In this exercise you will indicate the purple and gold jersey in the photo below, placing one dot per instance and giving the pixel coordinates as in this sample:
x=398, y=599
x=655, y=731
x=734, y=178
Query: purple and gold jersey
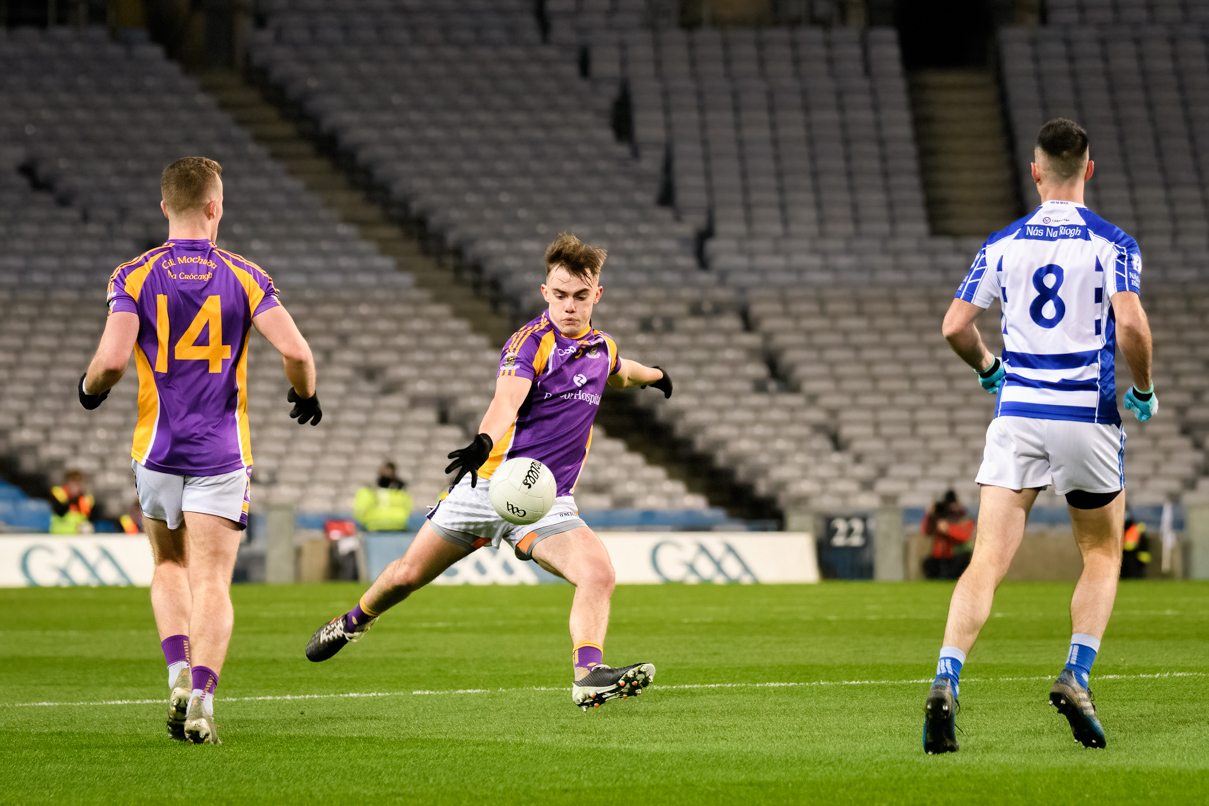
x=195, y=304
x=554, y=425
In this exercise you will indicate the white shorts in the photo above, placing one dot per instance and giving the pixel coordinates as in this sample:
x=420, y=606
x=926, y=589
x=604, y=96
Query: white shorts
x=467, y=518
x=166, y=497
x=1023, y=452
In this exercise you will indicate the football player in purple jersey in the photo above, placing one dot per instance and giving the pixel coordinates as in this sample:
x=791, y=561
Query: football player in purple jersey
x=551, y=376
x=185, y=310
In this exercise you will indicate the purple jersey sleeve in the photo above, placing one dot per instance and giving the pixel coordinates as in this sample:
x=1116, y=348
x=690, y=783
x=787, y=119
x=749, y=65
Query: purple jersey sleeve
x=263, y=280
x=117, y=297
x=616, y=354
x=270, y=291
x=520, y=355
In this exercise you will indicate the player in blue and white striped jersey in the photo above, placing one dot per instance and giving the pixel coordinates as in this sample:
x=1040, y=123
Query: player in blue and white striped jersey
x=1068, y=284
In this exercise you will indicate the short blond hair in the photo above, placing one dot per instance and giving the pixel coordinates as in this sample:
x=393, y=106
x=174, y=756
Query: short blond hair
x=579, y=259
x=186, y=183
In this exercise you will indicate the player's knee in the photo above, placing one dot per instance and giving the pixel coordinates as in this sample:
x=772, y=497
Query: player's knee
x=599, y=577
x=403, y=575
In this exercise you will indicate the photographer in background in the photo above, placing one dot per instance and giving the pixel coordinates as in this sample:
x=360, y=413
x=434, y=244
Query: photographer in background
x=952, y=532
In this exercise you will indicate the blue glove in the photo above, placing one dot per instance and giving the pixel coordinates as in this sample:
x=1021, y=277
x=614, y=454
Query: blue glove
x=1144, y=405
x=991, y=378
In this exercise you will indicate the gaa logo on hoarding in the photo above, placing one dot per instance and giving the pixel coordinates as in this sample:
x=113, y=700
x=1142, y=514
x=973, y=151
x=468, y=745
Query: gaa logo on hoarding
x=488, y=568
x=693, y=562
x=45, y=566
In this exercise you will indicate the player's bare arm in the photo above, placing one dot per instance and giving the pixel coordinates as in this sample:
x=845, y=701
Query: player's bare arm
x=630, y=374
x=1133, y=334
x=278, y=327
x=961, y=332
x=510, y=395
x=113, y=354
x=109, y=363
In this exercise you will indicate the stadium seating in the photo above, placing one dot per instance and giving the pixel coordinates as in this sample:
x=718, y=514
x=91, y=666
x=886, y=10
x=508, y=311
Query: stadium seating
x=86, y=124
x=1142, y=93
x=762, y=210
x=1127, y=12
x=790, y=153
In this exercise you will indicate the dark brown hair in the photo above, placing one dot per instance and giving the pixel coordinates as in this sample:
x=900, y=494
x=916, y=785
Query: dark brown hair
x=579, y=259
x=1064, y=143
x=186, y=183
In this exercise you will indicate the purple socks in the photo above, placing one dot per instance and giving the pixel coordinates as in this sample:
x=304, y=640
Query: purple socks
x=204, y=679
x=176, y=653
x=176, y=649
x=358, y=618
x=585, y=657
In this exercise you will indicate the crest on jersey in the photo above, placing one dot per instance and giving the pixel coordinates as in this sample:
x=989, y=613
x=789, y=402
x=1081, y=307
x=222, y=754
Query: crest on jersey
x=509, y=360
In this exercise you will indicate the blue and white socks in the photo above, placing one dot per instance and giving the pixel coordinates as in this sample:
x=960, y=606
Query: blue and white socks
x=949, y=666
x=1083, y=649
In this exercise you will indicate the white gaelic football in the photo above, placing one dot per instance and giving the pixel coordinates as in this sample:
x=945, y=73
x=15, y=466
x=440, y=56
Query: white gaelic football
x=522, y=491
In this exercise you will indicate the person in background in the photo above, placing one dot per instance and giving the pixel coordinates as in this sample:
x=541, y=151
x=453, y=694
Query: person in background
x=386, y=507
x=1136, y=554
x=950, y=527
x=132, y=521
x=72, y=510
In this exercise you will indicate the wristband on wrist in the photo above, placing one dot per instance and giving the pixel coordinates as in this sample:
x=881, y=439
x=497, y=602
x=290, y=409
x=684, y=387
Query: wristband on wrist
x=989, y=371
x=1146, y=395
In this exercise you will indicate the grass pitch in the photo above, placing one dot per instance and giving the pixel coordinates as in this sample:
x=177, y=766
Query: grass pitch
x=763, y=694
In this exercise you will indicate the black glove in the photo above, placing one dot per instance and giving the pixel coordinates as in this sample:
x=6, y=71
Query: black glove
x=470, y=459
x=88, y=401
x=664, y=384
x=306, y=409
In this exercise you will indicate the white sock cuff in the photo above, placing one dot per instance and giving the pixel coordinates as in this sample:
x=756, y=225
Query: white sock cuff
x=953, y=652
x=1083, y=639
x=175, y=669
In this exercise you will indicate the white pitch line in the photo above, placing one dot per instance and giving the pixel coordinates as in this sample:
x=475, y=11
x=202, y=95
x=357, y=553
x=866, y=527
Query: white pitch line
x=681, y=687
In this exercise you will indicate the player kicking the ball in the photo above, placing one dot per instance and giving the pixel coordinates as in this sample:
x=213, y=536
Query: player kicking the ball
x=1068, y=282
x=552, y=373
x=184, y=309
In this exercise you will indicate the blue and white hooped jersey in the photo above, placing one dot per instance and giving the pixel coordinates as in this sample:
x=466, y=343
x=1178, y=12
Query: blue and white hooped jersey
x=1054, y=272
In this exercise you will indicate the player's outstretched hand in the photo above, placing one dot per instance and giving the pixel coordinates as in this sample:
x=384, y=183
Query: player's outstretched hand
x=664, y=384
x=470, y=459
x=1144, y=405
x=991, y=378
x=88, y=401
x=306, y=409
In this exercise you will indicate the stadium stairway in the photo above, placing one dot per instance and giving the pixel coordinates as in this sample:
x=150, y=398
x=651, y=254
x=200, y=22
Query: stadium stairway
x=964, y=156
x=281, y=135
